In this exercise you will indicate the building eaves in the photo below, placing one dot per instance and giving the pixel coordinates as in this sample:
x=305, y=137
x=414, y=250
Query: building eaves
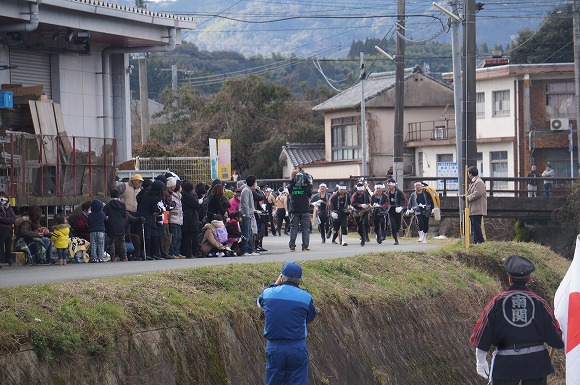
x=300, y=154
x=97, y=7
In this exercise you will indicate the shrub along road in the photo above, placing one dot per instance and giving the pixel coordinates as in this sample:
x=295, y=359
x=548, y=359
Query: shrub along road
x=278, y=251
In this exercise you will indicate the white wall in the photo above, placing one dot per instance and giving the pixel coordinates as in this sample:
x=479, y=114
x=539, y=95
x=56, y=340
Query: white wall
x=81, y=94
x=498, y=126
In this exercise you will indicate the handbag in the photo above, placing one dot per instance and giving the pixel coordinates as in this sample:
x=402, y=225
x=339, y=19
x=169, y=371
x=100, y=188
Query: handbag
x=130, y=247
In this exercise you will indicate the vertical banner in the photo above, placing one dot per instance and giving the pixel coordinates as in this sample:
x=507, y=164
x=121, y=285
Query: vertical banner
x=225, y=158
x=213, y=158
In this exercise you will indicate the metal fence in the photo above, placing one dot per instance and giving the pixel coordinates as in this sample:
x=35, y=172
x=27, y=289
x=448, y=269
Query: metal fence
x=196, y=169
x=54, y=170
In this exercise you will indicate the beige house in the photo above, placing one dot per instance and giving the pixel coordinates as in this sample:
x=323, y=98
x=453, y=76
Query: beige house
x=428, y=104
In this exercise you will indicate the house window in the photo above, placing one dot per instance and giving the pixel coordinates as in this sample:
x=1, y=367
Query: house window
x=560, y=100
x=345, y=133
x=501, y=103
x=499, y=168
x=480, y=104
x=444, y=158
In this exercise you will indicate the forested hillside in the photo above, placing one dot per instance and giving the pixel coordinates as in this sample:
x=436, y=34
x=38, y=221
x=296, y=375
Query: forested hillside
x=205, y=71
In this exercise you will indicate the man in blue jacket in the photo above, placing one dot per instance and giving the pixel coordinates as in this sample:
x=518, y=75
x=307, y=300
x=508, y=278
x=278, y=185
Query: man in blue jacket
x=287, y=309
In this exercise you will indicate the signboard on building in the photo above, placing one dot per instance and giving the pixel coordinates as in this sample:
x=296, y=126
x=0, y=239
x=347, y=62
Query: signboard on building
x=447, y=170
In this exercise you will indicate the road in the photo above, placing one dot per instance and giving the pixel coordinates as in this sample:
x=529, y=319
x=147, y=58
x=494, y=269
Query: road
x=278, y=251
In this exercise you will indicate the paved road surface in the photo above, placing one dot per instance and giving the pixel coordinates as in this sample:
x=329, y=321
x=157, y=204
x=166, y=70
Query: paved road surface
x=278, y=251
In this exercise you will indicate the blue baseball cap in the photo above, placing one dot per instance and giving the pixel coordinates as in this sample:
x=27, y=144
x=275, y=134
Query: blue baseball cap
x=292, y=270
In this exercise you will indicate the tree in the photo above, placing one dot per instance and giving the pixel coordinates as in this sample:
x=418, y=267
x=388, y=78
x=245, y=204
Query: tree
x=552, y=43
x=256, y=114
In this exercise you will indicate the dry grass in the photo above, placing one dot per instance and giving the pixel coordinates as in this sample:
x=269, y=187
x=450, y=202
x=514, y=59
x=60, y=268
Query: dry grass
x=89, y=317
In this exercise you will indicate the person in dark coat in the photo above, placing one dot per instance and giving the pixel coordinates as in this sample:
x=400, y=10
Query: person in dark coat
x=396, y=200
x=300, y=189
x=80, y=225
x=218, y=203
x=148, y=207
x=190, y=228
x=132, y=222
x=7, y=219
x=519, y=323
x=96, y=221
x=116, y=213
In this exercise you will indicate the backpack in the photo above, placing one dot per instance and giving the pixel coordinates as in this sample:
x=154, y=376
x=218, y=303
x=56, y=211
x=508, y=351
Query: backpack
x=221, y=234
x=300, y=180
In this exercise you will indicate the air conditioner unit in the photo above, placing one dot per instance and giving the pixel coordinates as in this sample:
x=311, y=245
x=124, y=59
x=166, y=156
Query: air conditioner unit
x=559, y=124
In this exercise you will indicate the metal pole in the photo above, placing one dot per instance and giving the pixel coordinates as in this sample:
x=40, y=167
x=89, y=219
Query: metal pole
x=469, y=70
x=144, y=100
x=399, y=96
x=457, y=101
x=363, y=116
x=576, y=24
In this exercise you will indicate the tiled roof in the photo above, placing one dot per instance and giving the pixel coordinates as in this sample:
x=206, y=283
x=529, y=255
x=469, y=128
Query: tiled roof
x=375, y=84
x=303, y=153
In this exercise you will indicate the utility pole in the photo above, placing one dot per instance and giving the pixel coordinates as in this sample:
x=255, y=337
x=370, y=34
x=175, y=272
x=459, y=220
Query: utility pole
x=399, y=96
x=469, y=157
x=457, y=102
x=174, y=77
x=144, y=99
x=576, y=24
x=363, y=75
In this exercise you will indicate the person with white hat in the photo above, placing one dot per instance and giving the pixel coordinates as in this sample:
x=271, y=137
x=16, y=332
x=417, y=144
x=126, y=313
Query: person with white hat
x=339, y=211
x=380, y=203
x=321, y=201
x=361, y=203
x=421, y=204
x=396, y=200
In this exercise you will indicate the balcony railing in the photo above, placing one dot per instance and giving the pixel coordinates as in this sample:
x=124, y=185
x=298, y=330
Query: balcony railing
x=431, y=131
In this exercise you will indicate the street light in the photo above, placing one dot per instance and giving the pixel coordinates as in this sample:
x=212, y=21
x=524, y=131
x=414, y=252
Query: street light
x=384, y=53
x=445, y=11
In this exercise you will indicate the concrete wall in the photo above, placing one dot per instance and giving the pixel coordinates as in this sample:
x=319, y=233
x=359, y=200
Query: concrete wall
x=4, y=60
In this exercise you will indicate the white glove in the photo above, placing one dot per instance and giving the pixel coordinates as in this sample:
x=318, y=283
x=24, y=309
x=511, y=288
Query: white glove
x=350, y=208
x=364, y=206
x=376, y=205
x=200, y=200
x=257, y=212
x=408, y=212
x=316, y=204
x=398, y=210
x=481, y=364
x=422, y=205
x=264, y=206
x=334, y=215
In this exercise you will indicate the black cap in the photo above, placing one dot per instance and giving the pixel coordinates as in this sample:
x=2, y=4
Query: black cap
x=518, y=267
x=263, y=184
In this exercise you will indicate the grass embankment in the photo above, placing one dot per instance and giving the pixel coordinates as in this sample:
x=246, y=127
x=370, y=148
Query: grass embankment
x=89, y=317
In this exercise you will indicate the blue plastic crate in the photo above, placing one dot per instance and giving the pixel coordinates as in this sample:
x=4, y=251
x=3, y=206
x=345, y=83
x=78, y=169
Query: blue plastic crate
x=6, y=99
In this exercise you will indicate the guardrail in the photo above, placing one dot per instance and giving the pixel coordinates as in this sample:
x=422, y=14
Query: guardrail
x=447, y=186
